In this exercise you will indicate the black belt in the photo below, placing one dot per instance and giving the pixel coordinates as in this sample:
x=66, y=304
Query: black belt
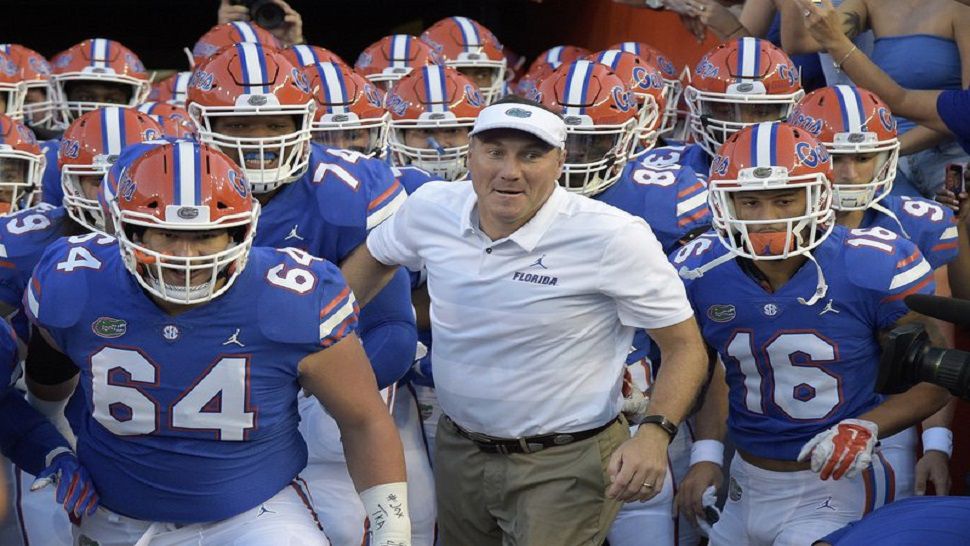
x=527, y=444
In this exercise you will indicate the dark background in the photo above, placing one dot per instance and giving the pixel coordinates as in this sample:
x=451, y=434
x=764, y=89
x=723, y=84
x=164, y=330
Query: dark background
x=158, y=30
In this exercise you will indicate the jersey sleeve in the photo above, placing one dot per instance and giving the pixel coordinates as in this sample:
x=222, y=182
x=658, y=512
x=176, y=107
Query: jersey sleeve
x=51, y=191
x=952, y=106
x=634, y=272
x=890, y=268
x=339, y=313
x=933, y=228
x=55, y=293
x=384, y=194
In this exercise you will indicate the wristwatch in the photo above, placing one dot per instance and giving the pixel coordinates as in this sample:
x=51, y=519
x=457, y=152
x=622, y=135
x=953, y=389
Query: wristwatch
x=666, y=424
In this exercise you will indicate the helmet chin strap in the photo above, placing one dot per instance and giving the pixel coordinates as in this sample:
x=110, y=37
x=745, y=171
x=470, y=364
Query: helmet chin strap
x=879, y=208
x=821, y=288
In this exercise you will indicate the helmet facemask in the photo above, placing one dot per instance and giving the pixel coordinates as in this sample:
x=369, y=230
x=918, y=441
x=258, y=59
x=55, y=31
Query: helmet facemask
x=746, y=239
x=448, y=162
x=20, y=178
x=349, y=132
x=279, y=159
x=595, y=155
x=714, y=117
x=861, y=196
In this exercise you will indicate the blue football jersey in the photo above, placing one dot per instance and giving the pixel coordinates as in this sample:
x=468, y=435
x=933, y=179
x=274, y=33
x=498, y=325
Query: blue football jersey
x=695, y=157
x=795, y=370
x=328, y=213
x=672, y=199
x=932, y=227
x=411, y=178
x=23, y=238
x=191, y=417
x=51, y=191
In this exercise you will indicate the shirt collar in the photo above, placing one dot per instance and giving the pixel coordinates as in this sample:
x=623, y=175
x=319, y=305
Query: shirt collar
x=527, y=236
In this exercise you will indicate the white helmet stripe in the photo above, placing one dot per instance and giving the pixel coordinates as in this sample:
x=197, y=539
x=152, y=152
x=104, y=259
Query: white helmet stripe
x=630, y=47
x=609, y=57
x=304, y=54
x=246, y=32
x=399, y=50
x=576, y=86
x=99, y=53
x=553, y=56
x=335, y=90
x=851, y=109
x=435, y=81
x=469, y=33
x=763, y=144
x=749, y=58
x=182, y=83
x=251, y=64
x=185, y=153
x=113, y=138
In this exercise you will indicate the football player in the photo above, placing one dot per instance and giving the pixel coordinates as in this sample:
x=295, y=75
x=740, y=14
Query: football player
x=191, y=415
x=432, y=111
x=251, y=103
x=467, y=46
x=859, y=131
x=90, y=144
x=795, y=306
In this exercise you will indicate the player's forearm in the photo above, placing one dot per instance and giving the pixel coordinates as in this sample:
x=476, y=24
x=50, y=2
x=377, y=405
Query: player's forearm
x=373, y=451
x=901, y=411
x=710, y=423
x=942, y=418
x=681, y=376
x=26, y=436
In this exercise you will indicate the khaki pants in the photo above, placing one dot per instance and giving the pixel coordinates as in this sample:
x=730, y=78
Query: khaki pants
x=555, y=497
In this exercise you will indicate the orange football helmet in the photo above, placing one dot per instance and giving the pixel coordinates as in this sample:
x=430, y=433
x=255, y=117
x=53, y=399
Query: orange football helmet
x=737, y=84
x=546, y=63
x=671, y=78
x=647, y=85
x=12, y=89
x=22, y=165
x=350, y=110
x=89, y=147
x=227, y=34
x=96, y=61
x=35, y=74
x=850, y=120
x=601, y=118
x=473, y=50
x=181, y=185
x=250, y=81
x=429, y=99
x=174, y=120
x=771, y=156
x=306, y=55
x=393, y=57
x=172, y=89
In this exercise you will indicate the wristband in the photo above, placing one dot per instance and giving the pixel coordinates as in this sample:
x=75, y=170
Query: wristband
x=53, y=455
x=938, y=439
x=387, y=508
x=711, y=451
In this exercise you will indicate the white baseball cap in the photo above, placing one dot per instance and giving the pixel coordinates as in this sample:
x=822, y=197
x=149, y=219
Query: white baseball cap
x=534, y=120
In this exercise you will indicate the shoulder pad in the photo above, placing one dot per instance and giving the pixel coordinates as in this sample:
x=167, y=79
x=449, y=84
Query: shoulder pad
x=298, y=288
x=59, y=289
x=874, y=258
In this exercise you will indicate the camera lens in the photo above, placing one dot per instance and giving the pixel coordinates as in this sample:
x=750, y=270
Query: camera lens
x=266, y=13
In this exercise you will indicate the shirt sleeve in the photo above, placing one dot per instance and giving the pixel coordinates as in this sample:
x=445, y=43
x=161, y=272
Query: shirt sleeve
x=635, y=272
x=393, y=242
x=952, y=106
x=912, y=275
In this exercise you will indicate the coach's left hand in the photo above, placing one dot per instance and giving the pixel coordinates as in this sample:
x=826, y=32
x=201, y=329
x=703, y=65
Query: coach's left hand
x=638, y=467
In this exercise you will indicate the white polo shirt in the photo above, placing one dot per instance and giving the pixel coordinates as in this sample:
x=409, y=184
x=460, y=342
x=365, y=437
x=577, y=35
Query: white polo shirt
x=531, y=332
